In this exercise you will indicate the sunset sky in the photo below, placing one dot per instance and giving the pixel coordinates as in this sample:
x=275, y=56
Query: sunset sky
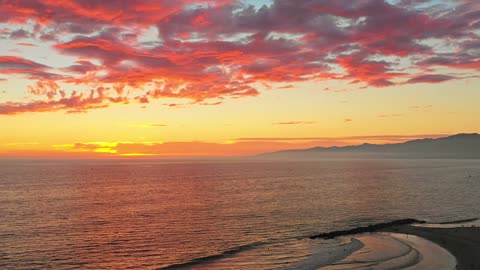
x=87, y=78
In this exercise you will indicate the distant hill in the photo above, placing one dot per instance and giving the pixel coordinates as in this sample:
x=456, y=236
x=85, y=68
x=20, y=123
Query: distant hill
x=456, y=146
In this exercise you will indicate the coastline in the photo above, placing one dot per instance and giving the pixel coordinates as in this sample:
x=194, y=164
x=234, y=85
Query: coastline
x=461, y=242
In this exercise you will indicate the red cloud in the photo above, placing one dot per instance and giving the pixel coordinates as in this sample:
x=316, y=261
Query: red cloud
x=75, y=103
x=205, y=50
x=12, y=63
x=18, y=65
x=45, y=87
x=26, y=44
x=82, y=67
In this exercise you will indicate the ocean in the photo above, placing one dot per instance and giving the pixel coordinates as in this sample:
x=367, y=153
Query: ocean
x=232, y=214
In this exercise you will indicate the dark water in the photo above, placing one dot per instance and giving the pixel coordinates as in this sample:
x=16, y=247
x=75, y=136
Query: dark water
x=213, y=215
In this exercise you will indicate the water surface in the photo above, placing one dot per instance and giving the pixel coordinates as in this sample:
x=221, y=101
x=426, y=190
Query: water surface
x=241, y=214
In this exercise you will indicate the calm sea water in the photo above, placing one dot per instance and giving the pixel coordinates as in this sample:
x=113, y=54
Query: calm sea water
x=122, y=214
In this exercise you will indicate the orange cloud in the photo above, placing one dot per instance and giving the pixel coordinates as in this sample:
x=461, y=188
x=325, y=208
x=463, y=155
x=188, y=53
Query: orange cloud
x=350, y=139
x=181, y=149
x=295, y=123
x=239, y=147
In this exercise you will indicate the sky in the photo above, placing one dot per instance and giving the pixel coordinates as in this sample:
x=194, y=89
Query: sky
x=85, y=78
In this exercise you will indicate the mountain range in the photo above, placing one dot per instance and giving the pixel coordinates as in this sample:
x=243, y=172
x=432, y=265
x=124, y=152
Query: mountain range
x=456, y=146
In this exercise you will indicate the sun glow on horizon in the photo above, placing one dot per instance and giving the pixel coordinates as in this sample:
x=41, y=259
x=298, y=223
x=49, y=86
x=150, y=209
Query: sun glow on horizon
x=221, y=78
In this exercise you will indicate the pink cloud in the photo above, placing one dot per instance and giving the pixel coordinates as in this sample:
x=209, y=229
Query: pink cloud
x=32, y=70
x=16, y=63
x=431, y=78
x=75, y=103
x=222, y=49
x=26, y=44
x=19, y=34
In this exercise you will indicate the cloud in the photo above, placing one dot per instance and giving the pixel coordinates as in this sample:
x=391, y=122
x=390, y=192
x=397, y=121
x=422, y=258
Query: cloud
x=82, y=67
x=206, y=51
x=32, y=70
x=12, y=63
x=26, y=44
x=148, y=125
x=431, y=78
x=75, y=103
x=45, y=87
x=346, y=120
x=288, y=86
x=173, y=149
x=390, y=115
x=295, y=123
x=416, y=107
x=366, y=138
x=238, y=147
x=19, y=34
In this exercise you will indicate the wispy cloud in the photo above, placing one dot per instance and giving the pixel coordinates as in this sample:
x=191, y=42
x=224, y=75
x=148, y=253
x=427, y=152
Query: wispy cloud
x=361, y=138
x=288, y=86
x=431, y=78
x=26, y=44
x=295, y=123
x=147, y=125
x=390, y=115
x=237, y=147
x=173, y=149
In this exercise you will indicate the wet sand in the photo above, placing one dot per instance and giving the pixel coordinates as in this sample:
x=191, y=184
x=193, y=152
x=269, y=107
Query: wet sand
x=463, y=242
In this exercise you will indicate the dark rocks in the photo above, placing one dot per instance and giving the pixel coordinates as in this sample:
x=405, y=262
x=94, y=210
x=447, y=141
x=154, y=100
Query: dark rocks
x=369, y=228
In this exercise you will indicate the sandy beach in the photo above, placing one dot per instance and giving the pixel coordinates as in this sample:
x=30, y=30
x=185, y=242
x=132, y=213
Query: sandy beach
x=462, y=242
x=448, y=245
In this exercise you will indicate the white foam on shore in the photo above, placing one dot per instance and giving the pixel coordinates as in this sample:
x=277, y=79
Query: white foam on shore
x=293, y=254
x=433, y=255
x=395, y=251
x=471, y=223
x=369, y=251
x=326, y=253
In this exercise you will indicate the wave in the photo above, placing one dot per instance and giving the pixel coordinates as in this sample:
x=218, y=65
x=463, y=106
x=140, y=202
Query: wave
x=201, y=260
x=395, y=251
x=425, y=255
x=394, y=254
x=460, y=221
x=330, y=254
x=325, y=255
x=369, y=228
x=471, y=222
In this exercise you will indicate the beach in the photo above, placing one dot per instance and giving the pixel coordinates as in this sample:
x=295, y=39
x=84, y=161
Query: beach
x=461, y=242
x=409, y=243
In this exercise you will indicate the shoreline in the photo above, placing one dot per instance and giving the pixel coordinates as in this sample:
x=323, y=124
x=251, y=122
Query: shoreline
x=461, y=242
x=460, y=238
